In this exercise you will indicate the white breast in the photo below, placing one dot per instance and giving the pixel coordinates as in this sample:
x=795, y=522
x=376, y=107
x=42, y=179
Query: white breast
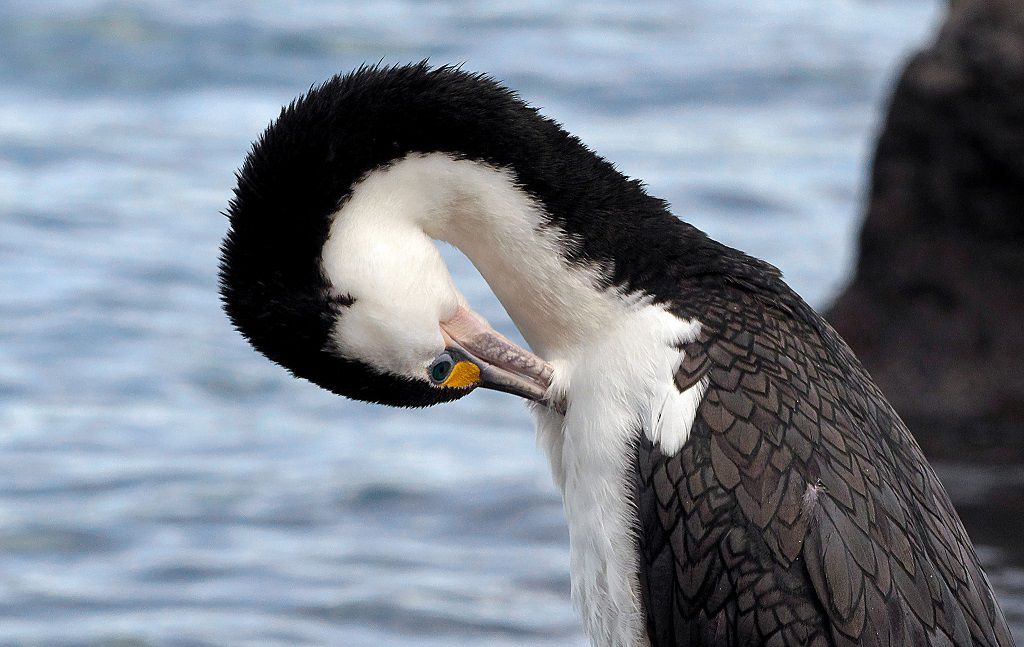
x=615, y=388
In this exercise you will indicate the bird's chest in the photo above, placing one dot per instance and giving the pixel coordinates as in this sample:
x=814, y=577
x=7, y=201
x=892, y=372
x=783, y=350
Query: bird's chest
x=612, y=389
x=590, y=457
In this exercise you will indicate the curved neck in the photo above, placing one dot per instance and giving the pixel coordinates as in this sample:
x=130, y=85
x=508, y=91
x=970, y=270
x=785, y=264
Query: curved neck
x=505, y=233
x=612, y=354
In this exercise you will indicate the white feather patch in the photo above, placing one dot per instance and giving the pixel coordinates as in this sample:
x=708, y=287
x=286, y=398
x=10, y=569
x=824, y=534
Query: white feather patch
x=620, y=381
x=672, y=416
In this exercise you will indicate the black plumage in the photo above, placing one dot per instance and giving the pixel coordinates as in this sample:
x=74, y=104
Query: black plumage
x=800, y=510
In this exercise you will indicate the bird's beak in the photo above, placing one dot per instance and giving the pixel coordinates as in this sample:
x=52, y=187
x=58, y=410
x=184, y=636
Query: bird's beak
x=503, y=365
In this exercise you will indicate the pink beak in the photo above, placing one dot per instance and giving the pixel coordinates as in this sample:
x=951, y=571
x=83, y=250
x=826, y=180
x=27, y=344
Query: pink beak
x=503, y=365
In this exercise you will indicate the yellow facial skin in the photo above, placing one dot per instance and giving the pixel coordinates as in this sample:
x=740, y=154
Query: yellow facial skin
x=464, y=374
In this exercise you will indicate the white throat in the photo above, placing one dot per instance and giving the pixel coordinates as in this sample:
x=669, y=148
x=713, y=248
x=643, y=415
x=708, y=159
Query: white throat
x=614, y=354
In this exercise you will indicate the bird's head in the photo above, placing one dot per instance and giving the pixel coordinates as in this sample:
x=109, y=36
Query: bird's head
x=334, y=277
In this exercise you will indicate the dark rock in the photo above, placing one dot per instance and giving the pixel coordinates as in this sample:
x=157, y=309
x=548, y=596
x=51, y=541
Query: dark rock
x=936, y=307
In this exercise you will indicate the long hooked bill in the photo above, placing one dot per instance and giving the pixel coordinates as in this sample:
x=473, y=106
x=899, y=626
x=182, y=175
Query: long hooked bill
x=503, y=365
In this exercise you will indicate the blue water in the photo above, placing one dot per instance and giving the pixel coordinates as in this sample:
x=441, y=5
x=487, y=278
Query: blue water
x=161, y=484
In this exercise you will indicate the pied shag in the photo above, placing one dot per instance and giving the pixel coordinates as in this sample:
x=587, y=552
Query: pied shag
x=730, y=473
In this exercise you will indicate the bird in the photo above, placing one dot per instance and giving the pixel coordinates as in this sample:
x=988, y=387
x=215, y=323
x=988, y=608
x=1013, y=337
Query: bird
x=730, y=474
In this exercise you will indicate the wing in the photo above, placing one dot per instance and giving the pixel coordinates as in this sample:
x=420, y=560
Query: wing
x=800, y=511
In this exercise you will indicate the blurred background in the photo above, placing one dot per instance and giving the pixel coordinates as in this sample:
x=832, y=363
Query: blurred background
x=161, y=484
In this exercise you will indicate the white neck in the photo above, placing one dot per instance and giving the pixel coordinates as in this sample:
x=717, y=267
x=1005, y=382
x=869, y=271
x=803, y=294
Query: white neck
x=613, y=354
x=479, y=209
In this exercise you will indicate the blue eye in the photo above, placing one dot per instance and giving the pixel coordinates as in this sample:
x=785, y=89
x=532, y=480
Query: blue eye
x=441, y=368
